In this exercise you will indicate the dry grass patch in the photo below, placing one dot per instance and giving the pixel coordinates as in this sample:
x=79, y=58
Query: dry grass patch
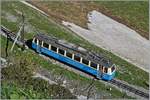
x=132, y=14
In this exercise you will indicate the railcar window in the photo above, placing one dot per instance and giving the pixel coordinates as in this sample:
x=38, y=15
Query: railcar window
x=84, y=61
x=61, y=51
x=40, y=42
x=101, y=67
x=113, y=68
x=105, y=70
x=68, y=54
x=77, y=58
x=35, y=40
x=93, y=65
x=53, y=48
x=45, y=45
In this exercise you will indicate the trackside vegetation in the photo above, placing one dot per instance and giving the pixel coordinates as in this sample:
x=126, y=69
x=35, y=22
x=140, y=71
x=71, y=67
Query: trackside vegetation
x=126, y=71
x=19, y=77
x=126, y=12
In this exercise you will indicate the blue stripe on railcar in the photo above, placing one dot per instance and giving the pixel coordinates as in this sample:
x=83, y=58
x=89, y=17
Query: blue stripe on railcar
x=108, y=77
x=67, y=60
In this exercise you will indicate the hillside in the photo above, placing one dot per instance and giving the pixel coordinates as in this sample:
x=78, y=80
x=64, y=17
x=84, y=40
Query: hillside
x=132, y=14
x=33, y=76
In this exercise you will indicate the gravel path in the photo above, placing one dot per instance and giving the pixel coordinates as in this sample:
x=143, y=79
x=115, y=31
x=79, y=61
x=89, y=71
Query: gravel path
x=28, y=4
x=115, y=37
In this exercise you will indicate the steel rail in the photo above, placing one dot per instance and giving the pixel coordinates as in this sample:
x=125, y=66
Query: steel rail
x=129, y=88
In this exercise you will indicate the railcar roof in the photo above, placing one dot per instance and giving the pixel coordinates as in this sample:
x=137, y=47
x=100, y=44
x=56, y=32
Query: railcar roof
x=94, y=57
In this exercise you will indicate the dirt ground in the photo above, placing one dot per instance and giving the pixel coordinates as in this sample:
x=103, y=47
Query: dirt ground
x=76, y=88
x=115, y=37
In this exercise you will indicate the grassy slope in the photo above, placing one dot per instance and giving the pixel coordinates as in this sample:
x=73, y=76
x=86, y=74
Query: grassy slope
x=13, y=91
x=132, y=13
x=18, y=82
x=27, y=88
x=126, y=71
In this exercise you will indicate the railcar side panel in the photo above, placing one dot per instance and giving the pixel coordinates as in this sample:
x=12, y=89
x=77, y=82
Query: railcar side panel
x=108, y=77
x=67, y=60
x=76, y=64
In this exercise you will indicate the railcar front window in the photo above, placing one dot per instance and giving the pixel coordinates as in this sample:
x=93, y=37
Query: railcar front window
x=105, y=70
x=101, y=68
x=113, y=68
x=40, y=43
x=35, y=40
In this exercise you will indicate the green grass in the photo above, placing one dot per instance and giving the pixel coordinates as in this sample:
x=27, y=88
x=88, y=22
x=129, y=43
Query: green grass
x=27, y=85
x=133, y=13
x=32, y=89
x=18, y=82
x=11, y=90
x=125, y=70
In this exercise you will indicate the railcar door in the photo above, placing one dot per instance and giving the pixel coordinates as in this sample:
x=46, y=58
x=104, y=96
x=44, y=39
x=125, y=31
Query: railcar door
x=39, y=44
x=101, y=70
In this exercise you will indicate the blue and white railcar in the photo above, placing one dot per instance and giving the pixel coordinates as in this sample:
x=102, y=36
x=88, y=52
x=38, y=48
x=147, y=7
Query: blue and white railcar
x=75, y=56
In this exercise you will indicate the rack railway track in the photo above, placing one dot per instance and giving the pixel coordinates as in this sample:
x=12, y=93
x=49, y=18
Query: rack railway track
x=129, y=88
x=6, y=32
